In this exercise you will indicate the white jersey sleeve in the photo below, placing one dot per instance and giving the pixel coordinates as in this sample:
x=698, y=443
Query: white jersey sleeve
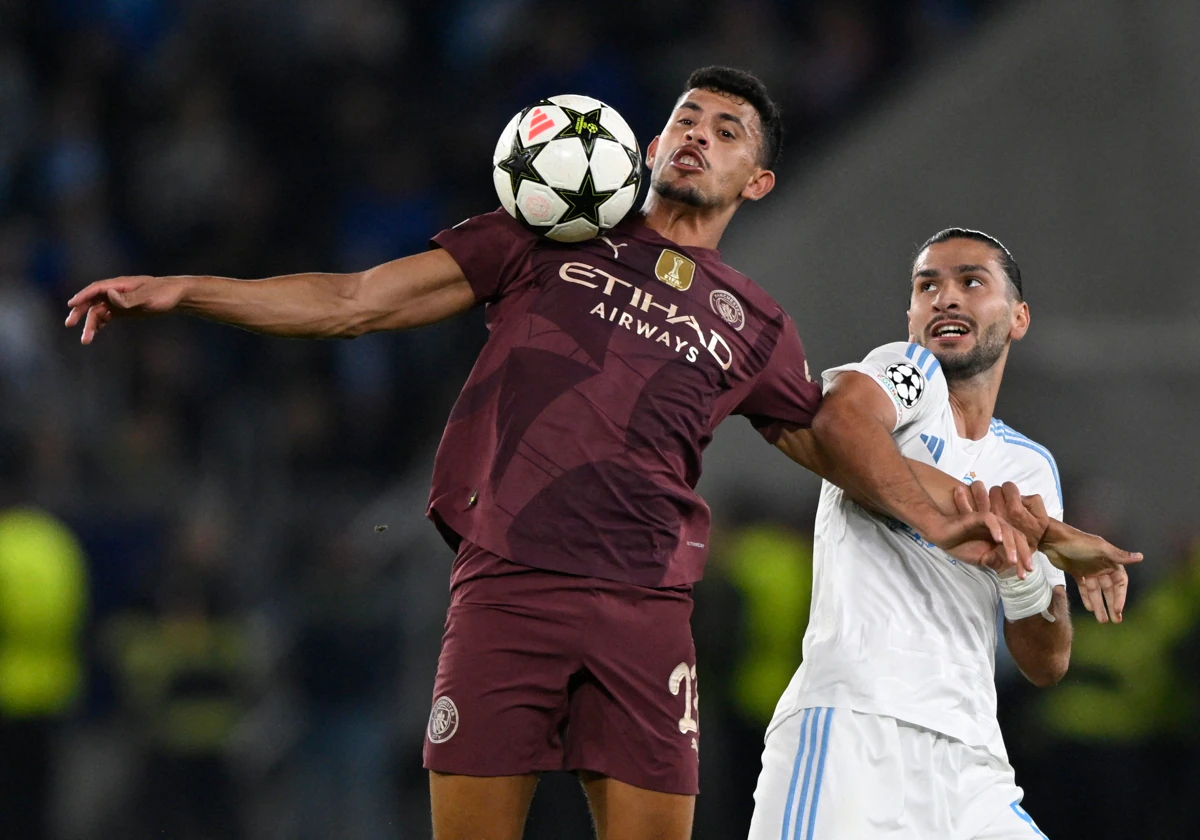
x=908, y=373
x=1042, y=479
x=1055, y=575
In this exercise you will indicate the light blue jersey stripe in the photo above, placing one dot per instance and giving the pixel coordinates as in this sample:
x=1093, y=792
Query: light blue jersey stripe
x=791, y=797
x=1023, y=814
x=812, y=815
x=808, y=771
x=1010, y=435
x=934, y=367
x=924, y=357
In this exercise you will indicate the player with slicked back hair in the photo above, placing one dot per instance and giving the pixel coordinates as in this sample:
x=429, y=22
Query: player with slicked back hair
x=565, y=480
x=888, y=729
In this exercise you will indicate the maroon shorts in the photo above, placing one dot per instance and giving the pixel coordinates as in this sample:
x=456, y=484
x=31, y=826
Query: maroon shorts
x=546, y=671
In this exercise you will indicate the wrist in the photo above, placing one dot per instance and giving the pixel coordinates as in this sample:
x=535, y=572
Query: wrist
x=1028, y=597
x=1055, y=531
x=193, y=293
x=929, y=522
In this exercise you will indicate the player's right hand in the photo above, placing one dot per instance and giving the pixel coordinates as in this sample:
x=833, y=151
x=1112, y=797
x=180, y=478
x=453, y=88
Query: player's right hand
x=97, y=304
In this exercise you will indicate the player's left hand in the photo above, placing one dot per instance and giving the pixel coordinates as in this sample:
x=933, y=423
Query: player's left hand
x=1081, y=554
x=1097, y=566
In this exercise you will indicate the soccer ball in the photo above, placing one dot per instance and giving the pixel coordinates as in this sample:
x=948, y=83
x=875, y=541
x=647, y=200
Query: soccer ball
x=569, y=167
x=909, y=384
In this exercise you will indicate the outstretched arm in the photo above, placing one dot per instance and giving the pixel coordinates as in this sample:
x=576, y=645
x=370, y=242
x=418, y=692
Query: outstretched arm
x=851, y=444
x=801, y=446
x=1097, y=566
x=408, y=292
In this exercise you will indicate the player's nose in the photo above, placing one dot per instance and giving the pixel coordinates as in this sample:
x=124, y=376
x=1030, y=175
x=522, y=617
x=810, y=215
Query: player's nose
x=947, y=299
x=696, y=134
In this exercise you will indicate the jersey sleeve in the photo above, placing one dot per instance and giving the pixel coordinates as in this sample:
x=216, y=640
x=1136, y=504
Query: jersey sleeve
x=783, y=397
x=909, y=374
x=490, y=249
x=1048, y=489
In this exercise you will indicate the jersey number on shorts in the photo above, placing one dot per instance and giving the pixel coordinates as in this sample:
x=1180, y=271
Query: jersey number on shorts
x=686, y=677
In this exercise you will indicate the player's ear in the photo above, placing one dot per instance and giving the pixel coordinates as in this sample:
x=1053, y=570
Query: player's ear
x=761, y=183
x=1020, y=321
x=651, y=151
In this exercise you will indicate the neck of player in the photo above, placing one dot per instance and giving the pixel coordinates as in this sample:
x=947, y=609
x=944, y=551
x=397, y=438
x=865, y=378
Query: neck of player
x=685, y=224
x=974, y=400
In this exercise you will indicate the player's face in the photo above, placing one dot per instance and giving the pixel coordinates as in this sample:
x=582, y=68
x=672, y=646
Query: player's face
x=708, y=154
x=962, y=307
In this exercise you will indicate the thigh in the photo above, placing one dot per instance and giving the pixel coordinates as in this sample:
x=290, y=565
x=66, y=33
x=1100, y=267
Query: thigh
x=829, y=774
x=634, y=712
x=1011, y=823
x=479, y=808
x=626, y=812
x=500, y=695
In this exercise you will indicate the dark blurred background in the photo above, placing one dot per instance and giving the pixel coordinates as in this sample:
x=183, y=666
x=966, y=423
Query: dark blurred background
x=205, y=629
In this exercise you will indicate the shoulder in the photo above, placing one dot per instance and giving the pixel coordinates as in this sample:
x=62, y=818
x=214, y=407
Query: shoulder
x=730, y=278
x=899, y=362
x=1030, y=452
x=498, y=224
x=907, y=353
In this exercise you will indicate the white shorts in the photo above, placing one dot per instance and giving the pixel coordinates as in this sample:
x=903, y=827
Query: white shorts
x=837, y=774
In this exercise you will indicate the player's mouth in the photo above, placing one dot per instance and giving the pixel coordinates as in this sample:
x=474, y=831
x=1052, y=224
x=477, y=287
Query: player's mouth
x=689, y=159
x=948, y=331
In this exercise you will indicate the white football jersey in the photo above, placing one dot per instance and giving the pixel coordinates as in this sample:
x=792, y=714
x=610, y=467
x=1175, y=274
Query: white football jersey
x=898, y=627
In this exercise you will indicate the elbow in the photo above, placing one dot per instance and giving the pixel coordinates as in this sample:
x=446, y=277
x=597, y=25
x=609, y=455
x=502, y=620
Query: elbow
x=1051, y=671
x=828, y=421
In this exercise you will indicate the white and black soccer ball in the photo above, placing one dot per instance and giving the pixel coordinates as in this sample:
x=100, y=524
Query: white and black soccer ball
x=908, y=381
x=569, y=167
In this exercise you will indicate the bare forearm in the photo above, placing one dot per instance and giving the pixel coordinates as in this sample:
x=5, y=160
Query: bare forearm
x=296, y=305
x=870, y=466
x=1041, y=648
x=804, y=448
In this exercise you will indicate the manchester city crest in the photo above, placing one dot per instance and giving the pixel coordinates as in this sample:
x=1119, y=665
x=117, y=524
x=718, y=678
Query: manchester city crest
x=728, y=307
x=443, y=720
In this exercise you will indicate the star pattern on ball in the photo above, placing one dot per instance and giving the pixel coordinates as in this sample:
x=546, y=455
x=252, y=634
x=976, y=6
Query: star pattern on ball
x=585, y=203
x=519, y=165
x=635, y=169
x=586, y=126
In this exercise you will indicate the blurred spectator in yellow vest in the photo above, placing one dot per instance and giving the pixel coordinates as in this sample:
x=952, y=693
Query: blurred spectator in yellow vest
x=43, y=597
x=1127, y=715
x=749, y=622
x=186, y=666
x=771, y=565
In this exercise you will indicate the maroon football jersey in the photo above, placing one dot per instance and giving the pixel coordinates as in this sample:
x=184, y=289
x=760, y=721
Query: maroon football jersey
x=575, y=445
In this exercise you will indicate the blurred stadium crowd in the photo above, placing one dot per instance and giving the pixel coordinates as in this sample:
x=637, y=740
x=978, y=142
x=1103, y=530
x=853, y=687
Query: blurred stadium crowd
x=219, y=605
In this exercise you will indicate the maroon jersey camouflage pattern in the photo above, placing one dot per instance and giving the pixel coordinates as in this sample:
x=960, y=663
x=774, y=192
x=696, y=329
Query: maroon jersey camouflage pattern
x=575, y=445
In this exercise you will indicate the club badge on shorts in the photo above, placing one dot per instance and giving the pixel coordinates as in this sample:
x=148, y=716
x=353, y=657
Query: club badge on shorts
x=443, y=720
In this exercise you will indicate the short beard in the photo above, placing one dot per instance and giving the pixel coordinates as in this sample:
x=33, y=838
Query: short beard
x=683, y=195
x=983, y=356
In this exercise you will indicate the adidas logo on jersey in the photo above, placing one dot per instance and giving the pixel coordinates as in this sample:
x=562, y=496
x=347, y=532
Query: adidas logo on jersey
x=935, y=445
